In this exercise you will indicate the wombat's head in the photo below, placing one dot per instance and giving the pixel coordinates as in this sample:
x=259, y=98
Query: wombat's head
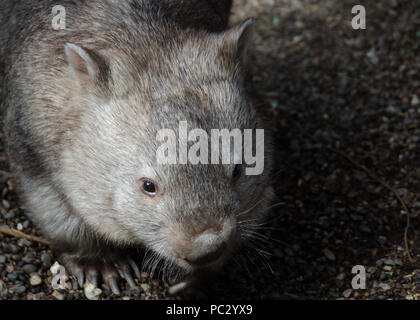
x=134, y=107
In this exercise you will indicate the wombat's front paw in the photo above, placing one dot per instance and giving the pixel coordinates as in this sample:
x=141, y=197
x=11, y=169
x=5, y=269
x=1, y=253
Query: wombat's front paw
x=85, y=269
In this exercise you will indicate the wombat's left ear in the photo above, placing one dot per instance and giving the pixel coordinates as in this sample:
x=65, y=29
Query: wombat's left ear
x=235, y=39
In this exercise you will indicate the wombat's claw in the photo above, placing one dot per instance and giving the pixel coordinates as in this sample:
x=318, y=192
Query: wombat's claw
x=135, y=268
x=88, y=270
x=110, y=276
x=127, y=275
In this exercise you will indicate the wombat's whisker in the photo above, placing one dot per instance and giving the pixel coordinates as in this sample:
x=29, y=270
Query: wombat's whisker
x=251, y=223
x=251, y=252
x=264, y=259
x=154, y=263
x=257, y=235
x=257, y=238
x=247, y=210
x=258, y=245
x=242, y=262
x=274, y=205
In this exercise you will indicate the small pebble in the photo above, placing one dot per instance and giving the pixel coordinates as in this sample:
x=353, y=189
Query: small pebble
x=29, y=268
x=384, y=286
x=145, y=287
x=91, y=292
x=46, y=260
x=6, y=204
x=18, y=289
x=9, y=215
x=347, y=293
x=327, y=252
x=341, y=276
x=35, y=280
x=3, y=289
x=382, y=239
x=389, y=262
x=58, y=295
x=24, y=243
x=12, y=276
x=29, y=257
x=14, y=248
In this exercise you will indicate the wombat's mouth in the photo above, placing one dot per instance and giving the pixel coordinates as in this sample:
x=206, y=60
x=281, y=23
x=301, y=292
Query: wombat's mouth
x=190, y=266
x=212, y=260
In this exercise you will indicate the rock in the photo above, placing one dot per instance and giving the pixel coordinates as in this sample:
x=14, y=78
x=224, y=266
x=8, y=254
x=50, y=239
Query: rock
x=46, y=260
x=29, y=268
x=9, y=215
x=3, y=289
x=382, y=239
x=13, y=248
x=347, y=293
x=29, y=257
x=91, y=292
x=341, y=276
x=389, y=262
x=371, y=54
x=327, y=252
x=35, y=280
x=24, y=243
x=145, y=287
x=2, y=259
x=18, y=289
x=5, y=204
x=384, y=286
x=12, y=276
x=58, y=295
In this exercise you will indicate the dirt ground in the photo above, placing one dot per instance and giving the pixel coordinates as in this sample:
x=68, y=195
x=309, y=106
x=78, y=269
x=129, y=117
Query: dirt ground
x=339, y=99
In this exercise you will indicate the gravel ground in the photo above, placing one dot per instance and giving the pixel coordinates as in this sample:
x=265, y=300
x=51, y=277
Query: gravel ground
x=332, y=92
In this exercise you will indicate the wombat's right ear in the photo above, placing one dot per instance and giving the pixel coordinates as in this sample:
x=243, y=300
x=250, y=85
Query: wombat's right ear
x=85, y=65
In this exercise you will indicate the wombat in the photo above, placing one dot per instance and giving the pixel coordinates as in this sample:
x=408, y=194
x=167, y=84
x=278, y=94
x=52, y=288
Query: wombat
x=83, y=107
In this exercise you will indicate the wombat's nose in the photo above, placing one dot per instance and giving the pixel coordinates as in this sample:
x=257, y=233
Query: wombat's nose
x=206, y=248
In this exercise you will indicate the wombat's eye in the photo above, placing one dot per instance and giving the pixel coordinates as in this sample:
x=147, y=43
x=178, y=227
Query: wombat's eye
x=237, y=172
x=148, y=187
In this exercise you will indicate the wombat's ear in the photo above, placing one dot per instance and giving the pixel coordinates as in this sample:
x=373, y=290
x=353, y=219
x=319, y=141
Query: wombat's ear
x=235, y=39
x=85, y=65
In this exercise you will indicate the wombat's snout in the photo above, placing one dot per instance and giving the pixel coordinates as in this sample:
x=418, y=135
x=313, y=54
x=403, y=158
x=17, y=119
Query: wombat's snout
x=206, y=248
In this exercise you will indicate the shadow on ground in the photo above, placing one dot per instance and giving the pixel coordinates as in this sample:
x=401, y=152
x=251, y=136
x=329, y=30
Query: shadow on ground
x=330, y=88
